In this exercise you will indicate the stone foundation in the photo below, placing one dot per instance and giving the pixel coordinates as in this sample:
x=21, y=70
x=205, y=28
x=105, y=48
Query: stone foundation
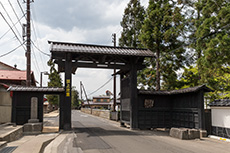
x=32, y=128
x=185, y=133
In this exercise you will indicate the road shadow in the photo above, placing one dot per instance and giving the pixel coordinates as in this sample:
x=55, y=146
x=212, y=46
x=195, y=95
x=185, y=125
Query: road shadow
x=115, y=131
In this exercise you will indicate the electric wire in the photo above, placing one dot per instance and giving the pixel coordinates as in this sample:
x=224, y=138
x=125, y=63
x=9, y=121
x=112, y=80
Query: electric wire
x=12, y=27
x=39, y=49
x=6, y=42
x=12, y=30
x=21, y=9
x=36, y=38
x=14, y=12
x=9, y=17
x=36, y=63
x=10, y=51
x=101, y=86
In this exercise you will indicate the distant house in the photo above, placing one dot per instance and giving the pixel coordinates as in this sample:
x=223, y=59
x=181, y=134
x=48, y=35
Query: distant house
x=10, y=76
x=15, y=77
x=100, y=102
x=220, y=111
x=4, y=66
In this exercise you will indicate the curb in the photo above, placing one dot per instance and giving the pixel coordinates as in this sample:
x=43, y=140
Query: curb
x=219, y=138
x=61, y=144
x=36, y=144
x=12, y=135
x=2, y=144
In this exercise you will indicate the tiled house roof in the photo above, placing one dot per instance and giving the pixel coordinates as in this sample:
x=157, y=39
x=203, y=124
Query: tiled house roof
x=98, y=49
x=220, y=103
x=173, y=92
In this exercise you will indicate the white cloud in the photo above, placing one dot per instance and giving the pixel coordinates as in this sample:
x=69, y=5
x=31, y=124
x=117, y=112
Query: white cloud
x=91, y=22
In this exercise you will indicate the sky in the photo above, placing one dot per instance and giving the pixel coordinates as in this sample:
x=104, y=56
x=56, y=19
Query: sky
x=77, y=21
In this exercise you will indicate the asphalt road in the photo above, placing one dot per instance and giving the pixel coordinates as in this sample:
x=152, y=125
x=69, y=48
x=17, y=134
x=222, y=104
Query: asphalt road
x=97, y=135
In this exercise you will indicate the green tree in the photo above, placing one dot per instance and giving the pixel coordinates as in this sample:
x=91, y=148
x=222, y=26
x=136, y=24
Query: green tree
x=162, y=33
x=189, y=78
x=54, y=81
x=213, y=37
x=75, y=101
x=211, y=43
x=131, y=23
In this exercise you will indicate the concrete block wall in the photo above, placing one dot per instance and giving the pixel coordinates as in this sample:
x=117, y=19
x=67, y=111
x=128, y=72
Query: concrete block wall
x=97, y=112
x=5, y=106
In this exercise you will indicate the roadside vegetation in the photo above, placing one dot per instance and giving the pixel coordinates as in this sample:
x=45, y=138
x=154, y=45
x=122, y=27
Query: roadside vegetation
x=190, y=39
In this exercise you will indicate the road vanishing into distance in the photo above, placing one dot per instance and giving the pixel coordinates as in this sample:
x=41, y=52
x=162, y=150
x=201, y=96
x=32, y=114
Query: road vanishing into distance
x=96, y=135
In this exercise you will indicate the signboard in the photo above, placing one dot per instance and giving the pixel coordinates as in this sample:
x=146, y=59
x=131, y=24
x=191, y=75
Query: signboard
x=68, y=87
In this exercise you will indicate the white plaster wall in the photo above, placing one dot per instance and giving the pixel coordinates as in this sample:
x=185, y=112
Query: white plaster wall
x=221, y=117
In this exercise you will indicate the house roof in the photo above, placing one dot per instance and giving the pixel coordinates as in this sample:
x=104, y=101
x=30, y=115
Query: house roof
x=8, y=67
x=101, y=97
x=220, y=103
x=98, y=49
x=12, y=75
x=174, y=92
x=100, y=103
x=35, y=89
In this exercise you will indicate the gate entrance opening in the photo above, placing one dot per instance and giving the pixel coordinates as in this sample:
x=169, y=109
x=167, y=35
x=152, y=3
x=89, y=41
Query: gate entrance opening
x=70, y=56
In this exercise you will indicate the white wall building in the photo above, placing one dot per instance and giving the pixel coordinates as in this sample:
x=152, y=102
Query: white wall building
x=220, y=110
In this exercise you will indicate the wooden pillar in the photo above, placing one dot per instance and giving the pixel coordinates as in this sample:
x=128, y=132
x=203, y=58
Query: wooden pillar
x=201, y=110
x=133, y=96
x=14, y=113
x=61, y=115
x=66, y=107
x=122, y=124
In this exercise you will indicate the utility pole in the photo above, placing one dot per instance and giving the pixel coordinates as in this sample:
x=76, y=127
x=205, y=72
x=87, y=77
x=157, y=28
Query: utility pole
x=28, y=45
x=82, y=87
x=114, y=77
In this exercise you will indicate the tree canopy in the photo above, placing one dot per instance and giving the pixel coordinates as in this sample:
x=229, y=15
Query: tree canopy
x=131, y=23
x=190, y=39
x=162, y=34
x=54, y=81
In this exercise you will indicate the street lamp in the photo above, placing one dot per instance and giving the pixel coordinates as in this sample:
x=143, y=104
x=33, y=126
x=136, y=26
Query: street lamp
x=45, y=73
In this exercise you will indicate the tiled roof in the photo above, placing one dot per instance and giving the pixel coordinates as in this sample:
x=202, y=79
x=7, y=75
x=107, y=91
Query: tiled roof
x=173, y=92
x=35, y=89
x=98, y=49
x=12, y=75
x=220, y=103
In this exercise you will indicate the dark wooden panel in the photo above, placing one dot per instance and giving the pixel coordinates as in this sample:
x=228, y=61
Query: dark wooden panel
x=125, y=116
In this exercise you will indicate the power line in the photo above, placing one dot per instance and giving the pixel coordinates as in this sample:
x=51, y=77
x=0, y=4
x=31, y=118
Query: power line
x=7, y=41
x=11, y=51
x=101, y=86
x=36, y=38
x=36, y=62
x=21, y=8
x=12, y=27
x=10, y=18
x=14, y=12
x=40, y=50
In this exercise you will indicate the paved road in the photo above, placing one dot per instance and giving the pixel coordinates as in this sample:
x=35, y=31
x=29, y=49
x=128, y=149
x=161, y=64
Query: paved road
x=96, y=135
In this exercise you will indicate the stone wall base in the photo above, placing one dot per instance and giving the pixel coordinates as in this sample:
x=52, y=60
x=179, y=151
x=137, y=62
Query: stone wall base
x=32, y=128
x=185, y=133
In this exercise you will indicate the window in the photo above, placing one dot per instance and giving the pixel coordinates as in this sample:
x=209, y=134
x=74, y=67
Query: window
x=148, y=103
